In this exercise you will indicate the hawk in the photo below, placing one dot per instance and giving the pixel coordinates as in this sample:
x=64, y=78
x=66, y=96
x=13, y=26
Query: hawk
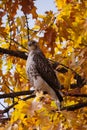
x=41, y=74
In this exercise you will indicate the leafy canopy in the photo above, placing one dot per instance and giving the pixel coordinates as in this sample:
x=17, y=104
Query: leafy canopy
x=63, y=38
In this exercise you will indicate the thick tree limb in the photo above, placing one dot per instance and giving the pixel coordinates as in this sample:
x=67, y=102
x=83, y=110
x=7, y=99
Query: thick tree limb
x=18, y=54
x=15, y=94
x=75, y=95
x=75, y=107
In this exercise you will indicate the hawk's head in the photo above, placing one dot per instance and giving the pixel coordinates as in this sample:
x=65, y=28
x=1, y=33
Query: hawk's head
x=32, y=45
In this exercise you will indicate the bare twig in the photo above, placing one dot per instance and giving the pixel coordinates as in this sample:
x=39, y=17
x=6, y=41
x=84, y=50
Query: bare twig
x=27, y=26
x=2, y=105
x=80, y=80
x=9, y=22
x=18, y=44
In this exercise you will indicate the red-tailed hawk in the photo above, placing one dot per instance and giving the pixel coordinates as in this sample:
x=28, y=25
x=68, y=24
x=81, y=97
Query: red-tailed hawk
x=41, y=74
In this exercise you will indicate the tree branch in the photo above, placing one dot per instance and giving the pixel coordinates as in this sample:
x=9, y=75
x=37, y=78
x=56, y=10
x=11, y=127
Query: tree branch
x=80, y=80
x=18, y=54
x=75, y=95
x=18, y=44
x=15, y=94
x=21, y=93
x=75, y=107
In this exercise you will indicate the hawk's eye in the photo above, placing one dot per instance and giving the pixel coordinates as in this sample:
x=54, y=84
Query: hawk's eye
x=33, y=42
x=29, y=44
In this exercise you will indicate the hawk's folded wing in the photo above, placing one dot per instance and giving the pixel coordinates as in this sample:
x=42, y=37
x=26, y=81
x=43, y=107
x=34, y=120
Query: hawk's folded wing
x=45, y=70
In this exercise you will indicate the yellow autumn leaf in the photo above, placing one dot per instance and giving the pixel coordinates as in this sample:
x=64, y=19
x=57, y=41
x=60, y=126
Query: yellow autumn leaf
x=20, y=104
x=21, y=69
x=17, y=115
x=53, y=104
x=9, y=64
x=60, y=3
x=70, y=49
x=56, y=50
x=8, y=101
x=4, y=45
x=36, y=27
x=68, y=103
x=41, y=16
x=7, y=29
